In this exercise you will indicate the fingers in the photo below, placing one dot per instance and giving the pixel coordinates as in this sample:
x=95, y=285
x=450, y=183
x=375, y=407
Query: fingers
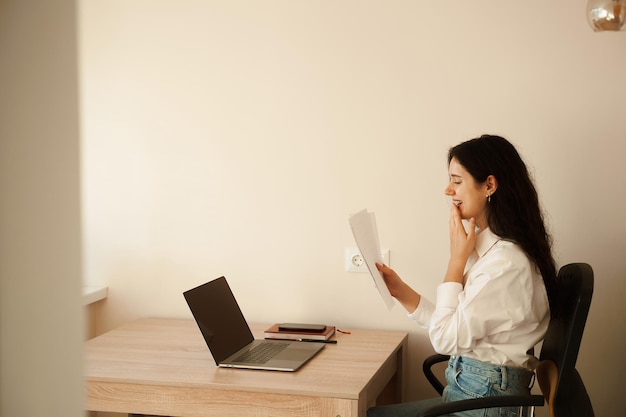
x=456, y=223
x=455, y=219
x=386, y=272
x=472, y=228
x=391, y=279
x=455, y=216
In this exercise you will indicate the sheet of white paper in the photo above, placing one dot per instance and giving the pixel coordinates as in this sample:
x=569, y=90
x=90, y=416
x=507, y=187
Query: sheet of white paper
x=365, y=234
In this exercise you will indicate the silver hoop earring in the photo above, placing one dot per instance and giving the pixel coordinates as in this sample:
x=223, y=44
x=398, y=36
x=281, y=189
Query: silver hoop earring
x=488, y=198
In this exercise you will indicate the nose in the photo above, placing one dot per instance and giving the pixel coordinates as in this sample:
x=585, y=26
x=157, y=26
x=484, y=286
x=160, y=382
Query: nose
x=448, y=190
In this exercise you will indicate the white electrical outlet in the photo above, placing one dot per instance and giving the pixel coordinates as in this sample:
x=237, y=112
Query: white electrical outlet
x=354, y=261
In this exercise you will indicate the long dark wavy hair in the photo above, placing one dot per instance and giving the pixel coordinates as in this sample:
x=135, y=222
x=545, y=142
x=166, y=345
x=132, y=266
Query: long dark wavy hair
x=513, y=212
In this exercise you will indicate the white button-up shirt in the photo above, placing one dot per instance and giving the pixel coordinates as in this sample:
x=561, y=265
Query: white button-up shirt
x=497, y=315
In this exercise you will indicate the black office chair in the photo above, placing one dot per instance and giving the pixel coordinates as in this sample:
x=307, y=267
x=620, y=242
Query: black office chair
x=560, y=383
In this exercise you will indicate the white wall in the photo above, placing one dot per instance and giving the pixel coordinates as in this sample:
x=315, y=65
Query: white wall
x=41, y=312
x=233, y=137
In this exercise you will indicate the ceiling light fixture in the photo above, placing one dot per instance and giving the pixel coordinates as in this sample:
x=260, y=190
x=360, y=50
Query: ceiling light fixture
x=606, y=15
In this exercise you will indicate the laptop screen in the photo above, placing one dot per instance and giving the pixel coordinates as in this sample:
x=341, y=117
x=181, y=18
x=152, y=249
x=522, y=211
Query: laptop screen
x=219, y=318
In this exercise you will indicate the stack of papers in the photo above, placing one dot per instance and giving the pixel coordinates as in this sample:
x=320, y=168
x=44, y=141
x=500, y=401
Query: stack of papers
x=365, y=234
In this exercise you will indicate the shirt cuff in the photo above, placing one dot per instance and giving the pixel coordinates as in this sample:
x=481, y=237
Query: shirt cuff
x=423, y=313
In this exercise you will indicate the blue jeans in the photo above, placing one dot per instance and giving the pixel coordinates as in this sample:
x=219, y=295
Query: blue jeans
x=468, y=378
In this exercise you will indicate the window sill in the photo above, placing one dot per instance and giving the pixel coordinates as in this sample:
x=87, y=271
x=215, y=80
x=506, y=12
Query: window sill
x=92, y=294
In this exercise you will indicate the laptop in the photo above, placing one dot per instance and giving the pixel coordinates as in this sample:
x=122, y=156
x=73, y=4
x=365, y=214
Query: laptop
x=229, y=338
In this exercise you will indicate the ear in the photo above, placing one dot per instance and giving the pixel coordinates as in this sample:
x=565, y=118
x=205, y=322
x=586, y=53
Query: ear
x=491, y=184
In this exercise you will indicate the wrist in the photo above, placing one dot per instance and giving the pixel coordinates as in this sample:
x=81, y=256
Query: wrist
x=408, y=297
x=410, y=303
x=455, y=271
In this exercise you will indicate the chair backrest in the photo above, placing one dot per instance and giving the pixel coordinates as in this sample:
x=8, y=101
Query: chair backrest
x=562, y=341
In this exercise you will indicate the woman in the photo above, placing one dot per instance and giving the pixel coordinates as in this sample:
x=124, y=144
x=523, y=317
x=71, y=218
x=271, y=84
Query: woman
x=493, y=304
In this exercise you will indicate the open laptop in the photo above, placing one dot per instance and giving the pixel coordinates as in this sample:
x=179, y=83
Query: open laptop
x=229, y=338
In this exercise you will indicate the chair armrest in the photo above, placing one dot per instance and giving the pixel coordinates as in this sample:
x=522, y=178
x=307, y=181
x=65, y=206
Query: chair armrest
x=486, y=402
x=428, y=373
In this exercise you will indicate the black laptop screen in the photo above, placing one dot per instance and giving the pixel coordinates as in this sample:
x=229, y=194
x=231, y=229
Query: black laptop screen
x=219, y=318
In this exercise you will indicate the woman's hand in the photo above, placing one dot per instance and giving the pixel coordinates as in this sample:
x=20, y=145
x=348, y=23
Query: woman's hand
x=392, y=280
x=399, y=289
x=462, y=245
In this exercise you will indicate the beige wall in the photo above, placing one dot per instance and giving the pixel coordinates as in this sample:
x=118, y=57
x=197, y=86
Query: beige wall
x=41, y=320
x=235, y=138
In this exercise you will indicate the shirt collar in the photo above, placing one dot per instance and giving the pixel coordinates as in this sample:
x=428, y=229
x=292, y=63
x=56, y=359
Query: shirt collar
x=485, y=239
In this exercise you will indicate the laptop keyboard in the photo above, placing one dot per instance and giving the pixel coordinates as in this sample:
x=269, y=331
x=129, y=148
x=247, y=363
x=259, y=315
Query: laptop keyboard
x=261, y=353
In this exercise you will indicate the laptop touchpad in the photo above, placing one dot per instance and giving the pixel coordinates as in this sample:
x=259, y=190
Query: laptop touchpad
x=292, y=354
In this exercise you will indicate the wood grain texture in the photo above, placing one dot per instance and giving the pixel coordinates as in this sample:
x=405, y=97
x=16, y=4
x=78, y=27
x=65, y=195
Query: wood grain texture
x=163, y=367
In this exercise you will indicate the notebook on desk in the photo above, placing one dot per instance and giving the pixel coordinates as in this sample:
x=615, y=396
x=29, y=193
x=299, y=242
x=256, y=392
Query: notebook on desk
x=229, y=338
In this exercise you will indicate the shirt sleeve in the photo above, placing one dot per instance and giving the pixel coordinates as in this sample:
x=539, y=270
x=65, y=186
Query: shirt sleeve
x=423, y=313
x=493, y=301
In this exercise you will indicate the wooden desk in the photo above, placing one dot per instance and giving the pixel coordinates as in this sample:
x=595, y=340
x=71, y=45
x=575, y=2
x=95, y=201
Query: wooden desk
x=163, y=367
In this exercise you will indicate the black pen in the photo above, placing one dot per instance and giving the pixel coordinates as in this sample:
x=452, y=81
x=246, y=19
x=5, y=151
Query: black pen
x=332, y=341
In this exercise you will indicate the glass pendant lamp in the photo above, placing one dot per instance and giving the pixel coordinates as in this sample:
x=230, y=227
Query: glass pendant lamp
x=606, y=15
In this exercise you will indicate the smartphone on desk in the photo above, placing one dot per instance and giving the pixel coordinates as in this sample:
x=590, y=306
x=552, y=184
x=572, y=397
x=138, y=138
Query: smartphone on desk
x=301, y=327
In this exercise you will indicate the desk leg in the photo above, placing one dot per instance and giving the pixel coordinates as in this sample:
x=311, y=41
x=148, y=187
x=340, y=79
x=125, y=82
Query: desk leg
x=390, y=393
x=395, y=390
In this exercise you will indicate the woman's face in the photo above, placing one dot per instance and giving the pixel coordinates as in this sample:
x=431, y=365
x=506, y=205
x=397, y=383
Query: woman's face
x=468, y=195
